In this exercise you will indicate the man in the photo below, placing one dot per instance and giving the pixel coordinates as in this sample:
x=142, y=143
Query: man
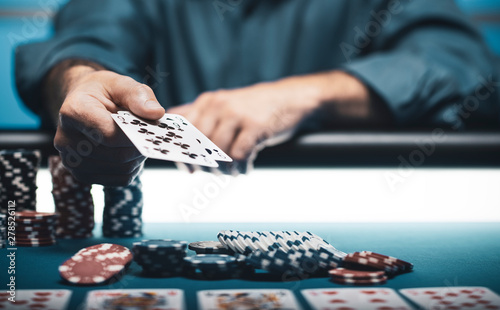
x=252, y=70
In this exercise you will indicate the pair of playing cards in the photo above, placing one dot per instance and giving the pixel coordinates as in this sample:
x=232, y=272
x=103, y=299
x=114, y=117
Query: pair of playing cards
x=433, y=298
x=171, y=138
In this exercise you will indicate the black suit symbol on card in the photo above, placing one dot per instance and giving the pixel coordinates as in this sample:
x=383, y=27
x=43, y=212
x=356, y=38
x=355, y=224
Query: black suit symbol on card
x=163, y=151
x=121, y=118
x=145, y=131
x=155, y=142
x=138, y=123
x=166, y=126
x=182, y=145
x=164, y=139
x=191, y=155
x=172, y=134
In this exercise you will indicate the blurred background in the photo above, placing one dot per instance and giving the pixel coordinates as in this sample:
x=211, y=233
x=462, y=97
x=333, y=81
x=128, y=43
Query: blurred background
x=25, y=20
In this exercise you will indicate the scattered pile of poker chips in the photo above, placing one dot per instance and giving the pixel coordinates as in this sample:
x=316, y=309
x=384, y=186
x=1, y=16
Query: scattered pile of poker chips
x=18, y=178
x=160, y=257
x=122, y=214
x=73, y=202
x=96, y=265
x=3, y=230
x=34, y=229
x=245, y=242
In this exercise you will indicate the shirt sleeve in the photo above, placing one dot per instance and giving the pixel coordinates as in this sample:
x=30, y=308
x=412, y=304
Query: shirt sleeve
x=425, y=60
x=114, y=33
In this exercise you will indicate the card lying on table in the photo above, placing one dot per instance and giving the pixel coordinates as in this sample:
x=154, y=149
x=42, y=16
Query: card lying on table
x=247, y=299
x=163, y=299
x=171, y=138
x=440, y=298
x=36, y=299
x=354, y=298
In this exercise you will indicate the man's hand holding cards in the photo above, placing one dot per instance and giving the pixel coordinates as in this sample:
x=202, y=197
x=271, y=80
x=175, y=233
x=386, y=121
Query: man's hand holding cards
x=171, y=138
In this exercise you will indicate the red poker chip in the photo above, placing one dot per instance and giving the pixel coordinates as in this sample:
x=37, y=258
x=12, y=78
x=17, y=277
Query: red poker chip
x=406, y=265
x=381, y=280
x=343, y=273
x=377, y=263
x=33, y=215
x=87, y=270
x=108, y=252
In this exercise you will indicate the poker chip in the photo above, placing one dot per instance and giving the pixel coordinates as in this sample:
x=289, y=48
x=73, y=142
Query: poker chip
x=375, y=261
x=213, y=266
x=208, y=247
x=122, y=214
x=342, y=273
x=18, y=178
x=160, y=257
x=33, y=229
x=96, y=265
x=73, y=202
x=373, y=281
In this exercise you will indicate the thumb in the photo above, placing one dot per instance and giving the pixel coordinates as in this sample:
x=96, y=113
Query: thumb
x=134, y=96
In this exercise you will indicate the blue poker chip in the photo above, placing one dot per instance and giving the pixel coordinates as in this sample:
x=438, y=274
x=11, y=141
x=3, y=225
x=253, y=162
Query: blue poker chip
x=166, y=245
x=217, y=262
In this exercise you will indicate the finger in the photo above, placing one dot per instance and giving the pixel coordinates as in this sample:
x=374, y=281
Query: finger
x=134, y=96
x=244, y=144
x=84, y=114
x=198, y=108
x=181, y=110
x=225, y=133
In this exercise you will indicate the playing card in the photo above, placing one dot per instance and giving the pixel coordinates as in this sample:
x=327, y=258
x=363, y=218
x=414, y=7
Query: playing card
x=165, y=139
x=437, y=298
x=206, y=144
x=36, y=299
x=247, y=299
x=354, y=298
x=157, y=299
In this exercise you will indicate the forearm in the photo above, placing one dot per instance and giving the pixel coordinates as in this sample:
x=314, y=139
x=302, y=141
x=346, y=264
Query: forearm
x=59, y=80
x=343, y=98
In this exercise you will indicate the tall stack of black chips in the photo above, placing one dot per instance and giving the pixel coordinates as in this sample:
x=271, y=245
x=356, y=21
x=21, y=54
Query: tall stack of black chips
x=73, y=202
x=18, y=178
x=122, y=214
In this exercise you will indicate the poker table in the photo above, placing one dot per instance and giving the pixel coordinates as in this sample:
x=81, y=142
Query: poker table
x=443, y=254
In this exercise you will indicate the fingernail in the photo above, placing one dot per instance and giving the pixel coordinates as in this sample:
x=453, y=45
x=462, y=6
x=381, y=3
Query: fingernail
x=152, y=104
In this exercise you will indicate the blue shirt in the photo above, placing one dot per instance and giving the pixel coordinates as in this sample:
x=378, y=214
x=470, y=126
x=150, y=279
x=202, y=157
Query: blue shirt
x=422, y=58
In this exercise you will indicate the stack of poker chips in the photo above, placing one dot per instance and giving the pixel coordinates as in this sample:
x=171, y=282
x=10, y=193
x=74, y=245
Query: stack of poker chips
x=122, y=214
x=160, y=257
x=73, y=202
x=212, y=266
x=3, y=230
x=34, y=229
x=18, y=178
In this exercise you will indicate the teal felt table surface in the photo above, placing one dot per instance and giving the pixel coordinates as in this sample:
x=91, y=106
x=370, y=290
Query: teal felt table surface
x=444, y=254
